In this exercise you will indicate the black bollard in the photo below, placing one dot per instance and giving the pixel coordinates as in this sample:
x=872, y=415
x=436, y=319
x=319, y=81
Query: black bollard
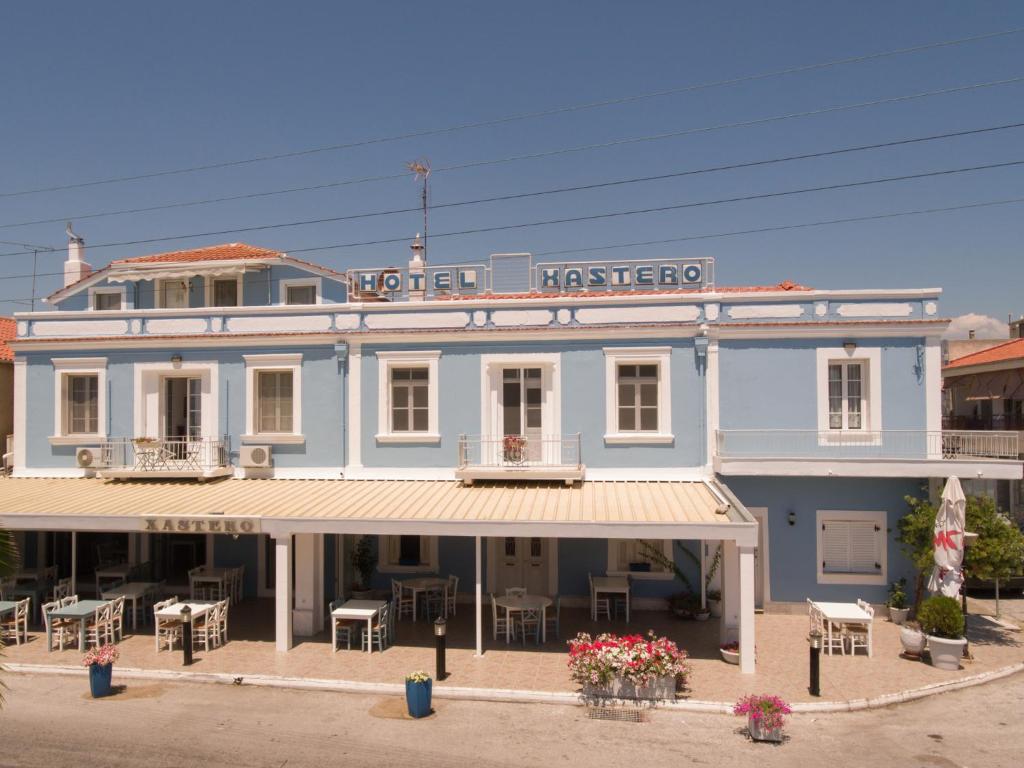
x=815, y=642
x=186, y=633
x=440, y=629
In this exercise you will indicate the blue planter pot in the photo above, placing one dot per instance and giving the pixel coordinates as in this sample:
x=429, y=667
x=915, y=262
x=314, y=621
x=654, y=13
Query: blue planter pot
x=417, y=698
x=99, y=679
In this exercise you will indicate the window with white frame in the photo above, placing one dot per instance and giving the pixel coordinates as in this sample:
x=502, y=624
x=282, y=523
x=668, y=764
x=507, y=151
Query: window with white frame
x=107, y=299
x=273, y=398
x=172, y=294
x=849, y=393
x=851, y=547
x=80, y=410
x=408, y=397
x=300, y=291
x=633, y=556
x=224, y=292
x=407, y=554
x=638, y=395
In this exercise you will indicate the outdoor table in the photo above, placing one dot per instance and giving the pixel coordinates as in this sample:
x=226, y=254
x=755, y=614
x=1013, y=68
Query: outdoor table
x=838, y=614
x=515, y=603
x=364, y=610
x=134, y=591
x=210, y=575
x=34, y=591
x=7, y=606
x=173, y=612
x=112, y=573
x=31, y=574
x=81, y=612
x=618, y=585
x=424, y=584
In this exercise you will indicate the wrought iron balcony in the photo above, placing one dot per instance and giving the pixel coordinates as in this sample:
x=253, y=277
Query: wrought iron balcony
x=520, y=457
x=895, y=444
x=123, y=458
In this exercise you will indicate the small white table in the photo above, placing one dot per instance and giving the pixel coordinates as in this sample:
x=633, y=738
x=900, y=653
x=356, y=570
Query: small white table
x=615, y=585
x=517, y=604
x=425, y=584
x=839, y=614
x=112, y=573
x=217, y=576
x=173, y=612
x=134, y=591
x=365, y=610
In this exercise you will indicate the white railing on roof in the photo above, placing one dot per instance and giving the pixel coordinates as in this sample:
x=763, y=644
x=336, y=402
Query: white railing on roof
x=882, y=444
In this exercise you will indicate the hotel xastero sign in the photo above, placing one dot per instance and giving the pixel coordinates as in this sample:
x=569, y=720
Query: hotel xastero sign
x=200, y=525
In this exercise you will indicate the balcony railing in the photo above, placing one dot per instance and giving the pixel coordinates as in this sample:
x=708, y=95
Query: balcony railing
x=178, y=457
x=547, y=457
x=884, y=444
x=1006, y=421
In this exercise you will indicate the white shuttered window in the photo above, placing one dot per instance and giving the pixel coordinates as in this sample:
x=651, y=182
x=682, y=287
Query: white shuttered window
x=851, y=547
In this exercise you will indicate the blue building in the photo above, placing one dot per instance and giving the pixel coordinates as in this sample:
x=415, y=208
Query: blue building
x=508, y=422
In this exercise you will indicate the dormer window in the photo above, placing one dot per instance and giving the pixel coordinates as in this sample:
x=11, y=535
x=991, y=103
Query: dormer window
x=225, y=292
x=106, y=299
x=302, y=291
x=172, y=294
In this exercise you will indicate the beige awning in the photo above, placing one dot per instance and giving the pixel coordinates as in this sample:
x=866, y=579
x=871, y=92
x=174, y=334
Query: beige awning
x=601, y=509
x=996, y=386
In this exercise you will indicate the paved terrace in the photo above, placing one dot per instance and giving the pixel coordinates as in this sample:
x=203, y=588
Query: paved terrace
x=781, y=656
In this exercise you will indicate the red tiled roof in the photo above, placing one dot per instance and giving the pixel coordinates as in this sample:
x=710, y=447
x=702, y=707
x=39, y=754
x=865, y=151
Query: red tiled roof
x=223, y=252
x=1011, y=350
x=8, y=330
x=784, y=286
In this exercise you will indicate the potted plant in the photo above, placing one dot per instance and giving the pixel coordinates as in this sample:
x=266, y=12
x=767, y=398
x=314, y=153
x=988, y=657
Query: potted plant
x=418, y=687
x=628, y=667
x=942, y=621
x=714, y=598
x=100, y=662
x=684, y=605
x=513, y=448
x=364, y=563
x=730, y=652
x=897, y=602
x=912, y=639
x=766, y=716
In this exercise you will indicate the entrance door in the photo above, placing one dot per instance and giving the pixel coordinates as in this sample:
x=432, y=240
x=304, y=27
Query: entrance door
x=522, y=562
x=520, y=402
x=760, y=556
x=183, y=408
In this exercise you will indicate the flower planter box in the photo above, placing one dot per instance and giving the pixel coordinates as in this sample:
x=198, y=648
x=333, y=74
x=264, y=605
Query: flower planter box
x=730, y=657
x=417, y=698
x=898, y=615
x=99, y=679
x=758, y=732
x=620, y=688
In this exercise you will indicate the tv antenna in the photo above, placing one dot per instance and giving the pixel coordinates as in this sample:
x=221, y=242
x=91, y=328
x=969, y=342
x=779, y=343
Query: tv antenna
x=421, y=170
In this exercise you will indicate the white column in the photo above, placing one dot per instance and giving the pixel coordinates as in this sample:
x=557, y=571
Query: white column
x=730, y=592
x=283, y=592
x=746, y=609
x=711, y=397
x=74, y=562
x=703, y=569
x=308, y=614
x=479, y=601
x=933, y=395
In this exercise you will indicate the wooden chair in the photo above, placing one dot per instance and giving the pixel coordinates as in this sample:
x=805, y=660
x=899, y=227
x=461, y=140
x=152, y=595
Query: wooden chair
x=204, y=630
x=499, y=624
x=552, y=618
x=515, y=592
x=818, y=624
x=343, y=628
x=99, y=630
x=167, y=630
x=529, y=624
x=59, y=629
x=598, y=605
x=434, y=602
x=378, y=630
x=859, y=635
x=404, y=602
x=453, y=590
x=15, y=624
x=117, y=619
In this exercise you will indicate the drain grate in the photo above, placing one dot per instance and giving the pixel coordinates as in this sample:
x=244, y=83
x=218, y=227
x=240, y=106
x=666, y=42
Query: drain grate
x=621, y=714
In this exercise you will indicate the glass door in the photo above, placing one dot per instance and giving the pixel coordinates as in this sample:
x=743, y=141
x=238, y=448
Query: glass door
x=522, y=414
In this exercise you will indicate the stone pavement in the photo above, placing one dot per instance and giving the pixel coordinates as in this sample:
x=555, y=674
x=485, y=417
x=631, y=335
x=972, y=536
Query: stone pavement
x=782, y=656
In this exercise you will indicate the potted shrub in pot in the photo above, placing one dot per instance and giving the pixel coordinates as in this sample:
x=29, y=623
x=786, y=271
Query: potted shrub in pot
x=418, y=687
x=628, y=667
x=912, y=639
x=365, y=564
x=730, y=652
x=897, y=602
x=100, y=662
x=766, y=716
x=942, y=621
x=715, y=603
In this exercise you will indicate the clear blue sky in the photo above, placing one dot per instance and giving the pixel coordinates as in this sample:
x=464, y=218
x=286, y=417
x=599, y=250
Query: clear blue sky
x=107, y=89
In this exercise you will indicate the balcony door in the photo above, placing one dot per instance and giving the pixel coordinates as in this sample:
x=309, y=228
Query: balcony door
x=183, y=414
x=522, y=562
x=521, y=404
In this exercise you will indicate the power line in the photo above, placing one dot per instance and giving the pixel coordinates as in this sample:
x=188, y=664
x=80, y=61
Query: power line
x=463, y=166
x=672, y=207
x=730, y=233
x=524, y=116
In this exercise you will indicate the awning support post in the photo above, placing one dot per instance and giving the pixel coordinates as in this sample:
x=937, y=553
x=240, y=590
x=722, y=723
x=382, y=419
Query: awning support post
x=74, y=563
x=282, y=592
x=746, y=574
x=479, y=601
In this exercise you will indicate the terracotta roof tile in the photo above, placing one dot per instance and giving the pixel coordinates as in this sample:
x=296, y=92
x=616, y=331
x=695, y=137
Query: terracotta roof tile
x=223, y=252
x=1011, y=350
x=8, y=330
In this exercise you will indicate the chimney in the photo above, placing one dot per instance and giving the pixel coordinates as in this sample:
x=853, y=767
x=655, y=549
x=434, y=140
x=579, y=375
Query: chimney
x=417, y=271
x=75, y=268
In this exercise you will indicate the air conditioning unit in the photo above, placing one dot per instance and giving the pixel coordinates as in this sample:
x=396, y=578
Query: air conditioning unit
x=255, y=456
x=91, y=458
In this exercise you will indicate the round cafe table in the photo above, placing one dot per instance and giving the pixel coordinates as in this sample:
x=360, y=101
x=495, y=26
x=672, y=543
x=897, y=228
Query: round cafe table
x=513, y=604
x=424, y=584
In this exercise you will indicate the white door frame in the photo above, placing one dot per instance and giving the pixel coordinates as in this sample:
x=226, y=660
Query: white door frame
x=761, y=515
x=493, y=553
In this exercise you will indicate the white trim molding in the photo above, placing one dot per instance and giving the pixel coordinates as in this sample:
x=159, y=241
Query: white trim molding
x=659, y=356
x=879, y=520
x=491, y=366
x=276, y=362
x=78, y=366
x=386, y=361
x=871, y=395
x=120, y=290
x=299, y=282
x=148, y=395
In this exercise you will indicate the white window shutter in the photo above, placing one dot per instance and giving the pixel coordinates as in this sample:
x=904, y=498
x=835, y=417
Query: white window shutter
x=835, y=546
x=393, y=549
x=864, y=547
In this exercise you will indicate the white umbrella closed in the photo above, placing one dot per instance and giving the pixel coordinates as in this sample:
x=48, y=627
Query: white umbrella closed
x=947, y=576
